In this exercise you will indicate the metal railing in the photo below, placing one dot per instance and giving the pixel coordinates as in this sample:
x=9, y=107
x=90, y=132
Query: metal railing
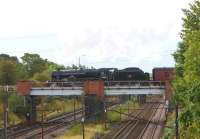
x=8, y=88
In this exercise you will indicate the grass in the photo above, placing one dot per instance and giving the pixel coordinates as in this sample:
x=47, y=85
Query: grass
x=95, y=129
x=169, y=127
x=114, y=116
x=12, y=117
x=58, y=107
x=91, y=130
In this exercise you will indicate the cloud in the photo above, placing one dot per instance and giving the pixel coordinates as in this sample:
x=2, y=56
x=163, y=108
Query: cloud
x=112, y=33
x=113, y=48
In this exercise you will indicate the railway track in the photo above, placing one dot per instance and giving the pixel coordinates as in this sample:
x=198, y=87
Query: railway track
x=136, y=125
x=144, y=124
x=155, y=126
x=54, y=125
x=153, y=131
x=66, y=121
x=35, y=129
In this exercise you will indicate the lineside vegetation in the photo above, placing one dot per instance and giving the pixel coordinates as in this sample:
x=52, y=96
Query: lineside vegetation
x=186, y=85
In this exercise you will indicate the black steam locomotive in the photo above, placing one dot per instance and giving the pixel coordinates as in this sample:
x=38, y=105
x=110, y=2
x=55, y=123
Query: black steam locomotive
x=107, y=74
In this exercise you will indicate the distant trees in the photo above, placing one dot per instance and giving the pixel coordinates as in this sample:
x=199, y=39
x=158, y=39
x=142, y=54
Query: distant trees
x=37, y=68
x=32, y=67
x=7, y=72
x=33, y=63
x=187, y=83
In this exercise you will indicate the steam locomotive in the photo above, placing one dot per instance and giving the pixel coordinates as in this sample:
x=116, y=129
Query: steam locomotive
x=106, y=74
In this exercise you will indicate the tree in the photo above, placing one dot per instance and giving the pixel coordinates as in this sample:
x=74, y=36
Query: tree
x=42, y=76
x=7, y=57
x=7, y=72
x=187, y=83
x=180, y=59
x=46, y=74
x=19, y=68
x=53, y=66
x=74, y=67
x=33, y=63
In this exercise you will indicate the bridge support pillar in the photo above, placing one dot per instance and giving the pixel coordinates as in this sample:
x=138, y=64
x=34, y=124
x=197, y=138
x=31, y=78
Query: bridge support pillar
x=31, y=115
x=24, y=88
x=94, y=108
x=124, y=98
x=94, y=100
x=141, y=98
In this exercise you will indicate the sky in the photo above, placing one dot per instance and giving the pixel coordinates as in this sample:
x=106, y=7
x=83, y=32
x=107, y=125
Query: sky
x=102, y=33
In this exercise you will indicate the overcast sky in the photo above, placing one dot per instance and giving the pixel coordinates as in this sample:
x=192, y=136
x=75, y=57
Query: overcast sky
x=103, y=33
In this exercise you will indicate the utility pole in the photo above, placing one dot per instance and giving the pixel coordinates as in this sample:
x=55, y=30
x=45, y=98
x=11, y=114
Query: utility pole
x=5, y=108
x=128, y=107
x=105, y=119
x=74, y=108
x=83, y=127
x=120, y=108
x=79, y=61
x=177, y=133
x=42, y=124
x=83, y=115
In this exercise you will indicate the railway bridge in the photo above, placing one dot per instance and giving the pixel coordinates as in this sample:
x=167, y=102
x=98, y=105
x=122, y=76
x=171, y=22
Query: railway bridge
x=97, y=90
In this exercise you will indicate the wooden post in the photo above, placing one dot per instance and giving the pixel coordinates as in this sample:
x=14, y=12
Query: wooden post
x=42, y=125
x=83, y=127
x=128, y=106
x=177, y=131
x=74, y=108
x=5, y=108
x=105, y=111
x=120, y=112
x=105, y=119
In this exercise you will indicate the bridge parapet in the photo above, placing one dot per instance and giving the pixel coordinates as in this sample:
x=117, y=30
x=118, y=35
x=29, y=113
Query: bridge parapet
x=91, y=87
x=8, y=88
x=134, y=83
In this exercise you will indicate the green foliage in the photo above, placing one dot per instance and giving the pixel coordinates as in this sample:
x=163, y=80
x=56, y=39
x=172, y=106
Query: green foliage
x=192, y=58
x=187, y=83
x=42, y=76
x=74, y=67
x=7, y=72
x=191, y=20
x=10, y=65
x=179, y=59
x=16, y=103
x=33, y=63
x=76, y=129
x=169, y=129
x=57, y=105
x=5, y=57
x=53, y=66
x=37, y=68
x=115, y=117
x=33, y=67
